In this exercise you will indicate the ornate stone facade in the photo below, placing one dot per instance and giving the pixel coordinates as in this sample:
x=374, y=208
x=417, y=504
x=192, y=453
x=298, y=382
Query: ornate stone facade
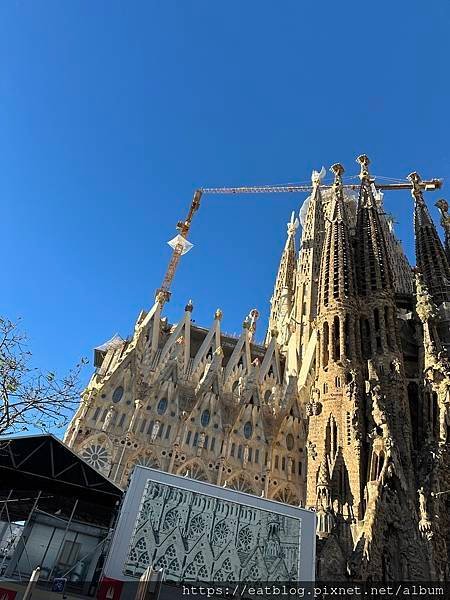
x=201, y=538
x=194, y=402
x=345, y=408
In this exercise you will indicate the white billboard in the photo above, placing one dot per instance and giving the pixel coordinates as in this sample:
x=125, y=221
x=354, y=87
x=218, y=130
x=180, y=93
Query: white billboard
x=195, y=531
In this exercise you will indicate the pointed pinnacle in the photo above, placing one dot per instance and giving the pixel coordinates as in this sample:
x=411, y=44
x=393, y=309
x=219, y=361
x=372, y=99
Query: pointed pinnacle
x=442, y=205
x=415, y=179
x=338, y=171
x=364, y=162
x=292, y=225
x=315, y=178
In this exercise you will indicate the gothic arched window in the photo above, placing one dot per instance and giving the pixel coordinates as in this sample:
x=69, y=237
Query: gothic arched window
x=336, y=338
x=205, y=418
x=325, y=343
x=388, y=326
x=162, y=406
x=117, y=394
x=347, y=336
x=248, y=430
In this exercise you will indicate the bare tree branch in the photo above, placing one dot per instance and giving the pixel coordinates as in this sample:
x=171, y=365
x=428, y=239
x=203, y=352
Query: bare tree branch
x=28, y=397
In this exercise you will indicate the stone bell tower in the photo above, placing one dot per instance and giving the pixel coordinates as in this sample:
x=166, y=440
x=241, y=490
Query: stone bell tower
x=360, y=475
x=334, y=434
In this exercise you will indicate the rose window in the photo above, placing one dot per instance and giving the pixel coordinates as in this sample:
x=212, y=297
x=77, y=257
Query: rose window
x=194, y=471
x=97, y=456
x=287, y=496
x=148, y=461
x=241, y=485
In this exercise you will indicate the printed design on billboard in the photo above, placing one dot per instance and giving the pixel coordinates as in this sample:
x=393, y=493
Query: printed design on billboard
x=197, y=537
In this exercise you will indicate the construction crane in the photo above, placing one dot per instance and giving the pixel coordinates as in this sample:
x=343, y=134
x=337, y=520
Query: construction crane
x=181, y=246
x=163, y=293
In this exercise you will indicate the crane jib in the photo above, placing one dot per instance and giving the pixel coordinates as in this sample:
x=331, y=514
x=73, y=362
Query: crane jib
x=184, y=226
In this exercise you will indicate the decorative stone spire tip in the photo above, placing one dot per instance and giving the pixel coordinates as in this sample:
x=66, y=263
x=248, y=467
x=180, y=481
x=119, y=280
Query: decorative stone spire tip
x=292, y=225
x=442, y=205
x=364, y=162
x=415, y=179
x=337, y=169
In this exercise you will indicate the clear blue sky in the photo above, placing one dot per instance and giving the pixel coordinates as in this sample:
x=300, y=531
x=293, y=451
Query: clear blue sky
x=112, y=113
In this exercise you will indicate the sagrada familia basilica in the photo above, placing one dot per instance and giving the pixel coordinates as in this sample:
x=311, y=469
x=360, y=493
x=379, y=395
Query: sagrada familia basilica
x=345, y=409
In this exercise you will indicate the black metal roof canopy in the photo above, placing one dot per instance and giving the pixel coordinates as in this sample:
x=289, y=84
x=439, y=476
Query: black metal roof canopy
x=42, y=463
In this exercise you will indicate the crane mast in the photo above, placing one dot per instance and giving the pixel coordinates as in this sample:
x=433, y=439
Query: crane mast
x=163, y=293
x=183, y=227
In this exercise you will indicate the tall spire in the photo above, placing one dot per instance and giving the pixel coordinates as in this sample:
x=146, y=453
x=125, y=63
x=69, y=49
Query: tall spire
x=337, y=278
x=308, y=269
x=371, y=250
x=310, y=253
x=282, y=299
x=430, y=255
x=445, y=222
